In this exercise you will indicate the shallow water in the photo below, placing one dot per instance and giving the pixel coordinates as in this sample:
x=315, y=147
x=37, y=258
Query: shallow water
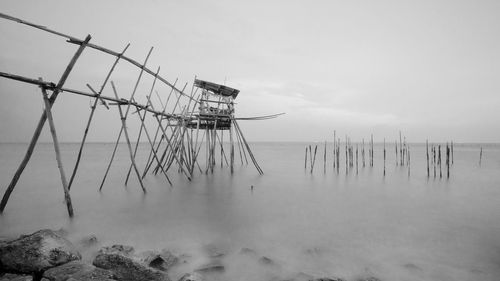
x=396, y=227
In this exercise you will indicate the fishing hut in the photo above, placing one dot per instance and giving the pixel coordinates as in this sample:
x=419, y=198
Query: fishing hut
x=187, y=126
x=216, y=118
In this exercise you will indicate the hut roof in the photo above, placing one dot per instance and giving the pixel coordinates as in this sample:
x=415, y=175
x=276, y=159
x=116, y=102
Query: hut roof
x=216, y=88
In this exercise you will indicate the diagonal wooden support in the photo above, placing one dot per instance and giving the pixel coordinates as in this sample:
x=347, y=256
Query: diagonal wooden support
x=124, y=127
x=141, y=128
x=48, y=112
x=125, y=115
x=40, y=125
x=93, y=107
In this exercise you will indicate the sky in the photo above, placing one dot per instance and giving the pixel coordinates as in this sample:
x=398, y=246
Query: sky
x=430, y=69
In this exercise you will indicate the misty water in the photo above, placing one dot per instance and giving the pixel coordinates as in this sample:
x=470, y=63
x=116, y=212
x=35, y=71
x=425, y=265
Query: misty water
x=397, y=227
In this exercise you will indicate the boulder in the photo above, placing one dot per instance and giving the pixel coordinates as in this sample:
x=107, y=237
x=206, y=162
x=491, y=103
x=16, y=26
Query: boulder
x=78, y=270
x=15, y=277
x=191, y=277
x=36, y=252
x=119, y=261
x=163, y=260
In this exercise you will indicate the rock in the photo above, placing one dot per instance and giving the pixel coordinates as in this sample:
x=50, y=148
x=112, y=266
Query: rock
x=15, y=277
x=215, y=266
x=37, y=252
x=118, y=249
x=78, y=270
x=118, y=260
x=163, y=260
x=191, y=277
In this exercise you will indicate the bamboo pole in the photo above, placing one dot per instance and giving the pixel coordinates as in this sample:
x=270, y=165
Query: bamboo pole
x=41, y=123
x=164, y=107
x=77, y=41
x=434, y=161
x=305, y=160
x=384, y=157
x=324, y=160
x=48, y=112
x=314, y=159
x=408, y=163
x=141, y=128
x=334, y=147
x=396, y=148
x=439, y=162
x=447, y=161
x=237, y=126
x=127, y=138
x=480, y=156
x=356, y=158
x=125, y=116
x=427, y=151
x=89, y=121
x=371, y=158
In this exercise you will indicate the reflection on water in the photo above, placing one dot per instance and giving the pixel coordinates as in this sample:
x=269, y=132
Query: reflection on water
x=321, y=224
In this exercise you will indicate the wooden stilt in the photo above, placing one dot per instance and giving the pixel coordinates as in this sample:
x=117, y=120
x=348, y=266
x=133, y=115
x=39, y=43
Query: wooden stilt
x=40, y=125
x=125, y=116
x=427, y=152
x=141, y=128
x=89, y=121
x=127, y=138
x=480, y=156
x=48, y=112
x=384, y=157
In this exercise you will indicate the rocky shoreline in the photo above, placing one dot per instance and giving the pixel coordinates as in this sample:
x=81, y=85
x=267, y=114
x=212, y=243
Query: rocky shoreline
x=48, y=255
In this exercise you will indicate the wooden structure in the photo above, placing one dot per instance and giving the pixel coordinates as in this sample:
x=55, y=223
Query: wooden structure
x=180, y=120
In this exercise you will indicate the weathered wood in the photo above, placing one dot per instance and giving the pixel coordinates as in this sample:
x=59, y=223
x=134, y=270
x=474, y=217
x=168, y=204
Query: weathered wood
x=74, y=40
x=41, y=123
x=127, y=138
x=48, y=112
x=141, y=128
x=427, y=152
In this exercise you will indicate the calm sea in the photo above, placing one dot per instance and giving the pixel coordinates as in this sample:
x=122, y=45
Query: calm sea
x=398, y=227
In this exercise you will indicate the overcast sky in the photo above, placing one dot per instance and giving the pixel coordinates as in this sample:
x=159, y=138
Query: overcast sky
x=428, y=68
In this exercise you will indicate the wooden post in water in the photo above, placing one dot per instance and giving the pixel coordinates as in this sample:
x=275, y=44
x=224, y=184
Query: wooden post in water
x=356, y=158
x=92, y=110
x=346, y=158
x=384, y=157
x=324, y=160
x=371, y=158
x=409, y=165
x=439, y=162
x=401, y=149
x=305, y=160
x=314, y=159
x=127, y=138
x=447, y=161
x=48, y=112
x=396, y=148
x=363, y=152
x=334, y=147
x=434, y=161
x=427, y=151
x=480, y=156
x=125, y=116
x=40, y=125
